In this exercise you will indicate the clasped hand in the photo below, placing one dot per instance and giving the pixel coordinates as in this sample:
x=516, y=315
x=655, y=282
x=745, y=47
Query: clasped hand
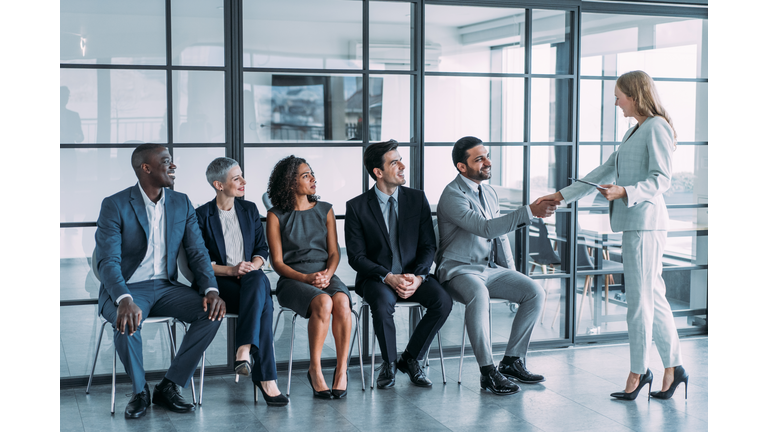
x=244, y=267
x=545, y=206
x=319, y=279
x=403, y=284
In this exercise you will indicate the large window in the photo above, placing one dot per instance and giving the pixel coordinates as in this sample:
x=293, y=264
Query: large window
x=258, y=80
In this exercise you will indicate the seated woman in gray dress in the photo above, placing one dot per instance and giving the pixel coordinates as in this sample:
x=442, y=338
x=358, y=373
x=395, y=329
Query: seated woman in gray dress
x=301, y=232
x=234, y=238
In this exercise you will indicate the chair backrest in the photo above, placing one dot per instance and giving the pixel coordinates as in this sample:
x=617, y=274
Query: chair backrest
x=541, y=248
x=93, y=265
x=267, y=202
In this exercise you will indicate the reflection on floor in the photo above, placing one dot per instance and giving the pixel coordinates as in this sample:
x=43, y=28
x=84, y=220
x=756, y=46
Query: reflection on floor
x=574, y=398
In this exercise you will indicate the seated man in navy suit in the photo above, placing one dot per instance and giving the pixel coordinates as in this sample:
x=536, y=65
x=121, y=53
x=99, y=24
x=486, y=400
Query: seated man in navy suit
x=139, y=233
x=391, y=245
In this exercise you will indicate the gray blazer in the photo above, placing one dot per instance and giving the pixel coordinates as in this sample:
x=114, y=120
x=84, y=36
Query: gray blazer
x=643, y=166
x=466, y=230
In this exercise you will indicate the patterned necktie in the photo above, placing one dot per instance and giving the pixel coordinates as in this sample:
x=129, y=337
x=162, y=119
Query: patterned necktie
x=397, y=267
x=492, y=257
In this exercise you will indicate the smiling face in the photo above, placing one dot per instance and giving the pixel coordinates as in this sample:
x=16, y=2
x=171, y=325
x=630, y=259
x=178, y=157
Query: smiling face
x=306, y=183
x=478, y=164
x=159, y=168
x=626, y=103
x=235, y=184
x=392, y=173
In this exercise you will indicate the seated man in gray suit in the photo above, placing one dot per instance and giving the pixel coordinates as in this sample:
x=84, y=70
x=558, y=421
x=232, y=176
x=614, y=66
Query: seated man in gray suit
x=139, y=234
x=475, y=262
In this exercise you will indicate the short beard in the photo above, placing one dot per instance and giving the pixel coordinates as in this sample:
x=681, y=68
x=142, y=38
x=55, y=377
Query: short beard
x=478, y=176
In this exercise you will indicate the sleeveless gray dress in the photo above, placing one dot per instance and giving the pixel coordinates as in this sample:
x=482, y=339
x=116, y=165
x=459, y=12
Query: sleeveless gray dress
x=304, y=236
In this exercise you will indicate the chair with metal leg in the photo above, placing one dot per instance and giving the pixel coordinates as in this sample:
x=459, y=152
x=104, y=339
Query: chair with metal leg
x=293, y=333
x=409, y=305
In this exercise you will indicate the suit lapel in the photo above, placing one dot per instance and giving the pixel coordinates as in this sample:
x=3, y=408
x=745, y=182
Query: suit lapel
x=137, y=202
x=471, y=194
x=245, y=227
x=218, y=231
x=373, y=204
x=169, y=216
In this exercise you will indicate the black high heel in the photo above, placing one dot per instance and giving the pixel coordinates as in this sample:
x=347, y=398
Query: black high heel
x=279, y=400
x=681, y=376
x=338, y=394
x=242, y=367
x=646, y=378
x=323, y=394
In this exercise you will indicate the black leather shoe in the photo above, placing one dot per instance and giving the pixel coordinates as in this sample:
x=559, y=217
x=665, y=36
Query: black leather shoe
x=339, y=393
x=498, y=384
x=322, y=394
x=518, y=372
x=646, y=378
x=138, y=405
x=386, y=377
x=168, y=397
x=414, y=371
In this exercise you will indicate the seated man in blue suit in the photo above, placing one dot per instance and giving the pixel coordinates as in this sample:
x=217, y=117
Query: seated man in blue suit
x=139, y=233
x=391, y=245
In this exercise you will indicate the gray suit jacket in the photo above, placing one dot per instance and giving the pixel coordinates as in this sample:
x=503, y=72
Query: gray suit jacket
x=466, y=230
x=643, y=166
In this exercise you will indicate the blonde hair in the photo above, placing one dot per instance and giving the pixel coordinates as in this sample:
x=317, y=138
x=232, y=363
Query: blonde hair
x=639, y=86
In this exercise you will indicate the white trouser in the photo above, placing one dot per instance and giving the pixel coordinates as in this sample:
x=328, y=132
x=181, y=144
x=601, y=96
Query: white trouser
x=648, y=311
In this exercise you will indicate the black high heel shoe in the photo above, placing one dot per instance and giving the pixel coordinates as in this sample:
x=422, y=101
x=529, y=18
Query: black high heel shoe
x=279, y=400
x=681, y=376
x=323, y=394
x=646, y=378
x=242, y=368
x=338, y=394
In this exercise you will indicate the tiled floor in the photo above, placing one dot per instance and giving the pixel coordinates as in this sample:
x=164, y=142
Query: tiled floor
x=574, y=398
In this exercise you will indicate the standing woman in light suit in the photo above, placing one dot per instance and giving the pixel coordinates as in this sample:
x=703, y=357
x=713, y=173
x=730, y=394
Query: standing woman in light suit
x=642, y=171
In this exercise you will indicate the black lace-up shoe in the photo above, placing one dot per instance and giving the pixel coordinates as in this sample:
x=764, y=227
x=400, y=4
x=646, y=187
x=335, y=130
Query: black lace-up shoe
x=138, y=405
x=414, y=371
x=169, y=397
x=498, y=384
x=386, y=377
x=518, y=372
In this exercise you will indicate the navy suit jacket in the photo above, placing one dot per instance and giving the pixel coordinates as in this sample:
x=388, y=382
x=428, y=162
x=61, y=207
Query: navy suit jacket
x=254, y=242
x=122, y=237
x=367, y=238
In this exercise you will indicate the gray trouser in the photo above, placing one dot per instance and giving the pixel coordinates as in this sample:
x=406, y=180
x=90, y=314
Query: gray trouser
x=475, y=291
x=648, y=312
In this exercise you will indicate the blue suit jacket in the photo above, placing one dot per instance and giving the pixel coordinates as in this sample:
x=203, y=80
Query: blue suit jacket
x=367, y=237
x=254, y=242
x=122, y=237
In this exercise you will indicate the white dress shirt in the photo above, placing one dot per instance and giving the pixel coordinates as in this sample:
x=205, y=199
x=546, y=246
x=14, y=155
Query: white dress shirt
x=475, y=187
x=154, y=264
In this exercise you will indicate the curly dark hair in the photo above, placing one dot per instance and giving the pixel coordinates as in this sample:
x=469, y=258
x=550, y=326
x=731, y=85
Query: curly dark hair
x=283, y=181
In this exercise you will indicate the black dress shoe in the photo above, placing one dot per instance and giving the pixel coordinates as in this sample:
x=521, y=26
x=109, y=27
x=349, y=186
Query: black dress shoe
x=498, y=384
x=322, y=394
x=414, y=371
x=168, y=397
x=138, y=405
x=681, y=376
x=518, y=372
x=646, y=378
x=279, y=400
x=339, y=393
x=386, y=377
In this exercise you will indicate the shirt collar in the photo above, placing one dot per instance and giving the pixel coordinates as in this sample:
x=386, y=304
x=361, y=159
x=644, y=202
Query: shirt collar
x=472, y=185
x=148, y=202
x=384, y=198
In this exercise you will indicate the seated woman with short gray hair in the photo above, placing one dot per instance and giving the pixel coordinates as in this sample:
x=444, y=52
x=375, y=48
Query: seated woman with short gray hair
x=235, y=240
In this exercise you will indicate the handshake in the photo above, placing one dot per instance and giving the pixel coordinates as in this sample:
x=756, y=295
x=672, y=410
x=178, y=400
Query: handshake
x=545, y=206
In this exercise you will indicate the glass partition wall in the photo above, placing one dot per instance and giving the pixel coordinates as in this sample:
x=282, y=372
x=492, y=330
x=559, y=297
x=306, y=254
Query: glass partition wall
x=258, y=80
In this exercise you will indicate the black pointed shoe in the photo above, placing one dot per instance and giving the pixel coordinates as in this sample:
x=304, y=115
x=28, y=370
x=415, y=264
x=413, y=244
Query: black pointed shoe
x=414, y=371
x=138, y=405
x=169, y=397
x=386, y=377
x=518, y=372
x=681, y=376
x=498, y=384
x=646, y=378
x=322, y=394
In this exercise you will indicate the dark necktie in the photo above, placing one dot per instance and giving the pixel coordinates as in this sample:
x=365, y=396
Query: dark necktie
x=397, y=267
x=492, y=257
